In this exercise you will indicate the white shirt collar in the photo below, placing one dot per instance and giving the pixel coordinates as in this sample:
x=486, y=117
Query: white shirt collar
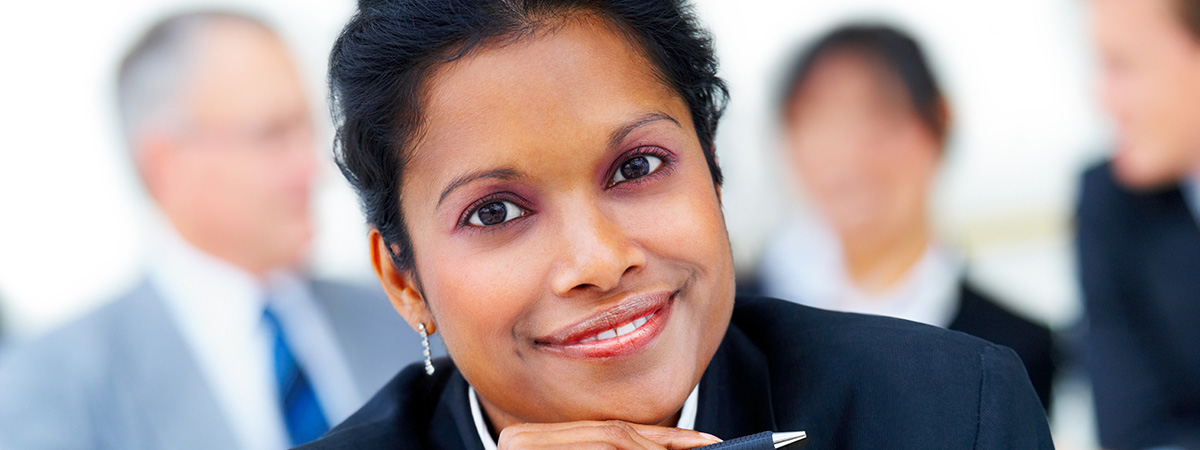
x=687, y=416
x=218, y=309
x=804, y=264
x=1191, y=194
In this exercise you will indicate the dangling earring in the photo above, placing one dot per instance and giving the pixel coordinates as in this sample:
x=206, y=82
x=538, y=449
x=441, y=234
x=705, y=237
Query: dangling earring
x=425, y=343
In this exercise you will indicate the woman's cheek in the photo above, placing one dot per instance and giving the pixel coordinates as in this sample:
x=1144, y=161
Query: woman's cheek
x=477, y=298
x=697, y=216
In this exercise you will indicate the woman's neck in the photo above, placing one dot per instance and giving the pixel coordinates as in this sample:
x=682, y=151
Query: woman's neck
x=878, y=259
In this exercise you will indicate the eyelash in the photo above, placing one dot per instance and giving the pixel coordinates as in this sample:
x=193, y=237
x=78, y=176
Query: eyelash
x=465, y=220
x=667, y=158
x=668, y=163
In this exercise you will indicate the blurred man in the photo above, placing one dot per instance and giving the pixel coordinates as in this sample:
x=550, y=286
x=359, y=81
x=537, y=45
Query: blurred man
x=1139, y=239
x=225, y=344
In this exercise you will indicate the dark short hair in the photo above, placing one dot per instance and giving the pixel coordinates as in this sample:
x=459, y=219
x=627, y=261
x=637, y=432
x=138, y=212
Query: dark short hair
x=382, y=58
x=1189, y=13
x=890, y=48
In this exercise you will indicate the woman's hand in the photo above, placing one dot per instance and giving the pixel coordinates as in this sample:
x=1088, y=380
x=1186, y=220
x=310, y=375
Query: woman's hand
x=609, y=435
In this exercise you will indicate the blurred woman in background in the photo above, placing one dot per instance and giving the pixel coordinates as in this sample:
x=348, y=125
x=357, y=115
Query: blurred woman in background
x=865, y=127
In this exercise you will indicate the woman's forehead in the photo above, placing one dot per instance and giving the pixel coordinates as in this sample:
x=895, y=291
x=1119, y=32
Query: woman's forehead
x=581, y=70
x=571, y=88
x=852, y=72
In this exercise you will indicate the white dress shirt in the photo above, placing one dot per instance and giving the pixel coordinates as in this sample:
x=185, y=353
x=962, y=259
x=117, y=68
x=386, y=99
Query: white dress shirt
x=1191, y=193
x=687, y=416
x=218, y=309
x=804, y=264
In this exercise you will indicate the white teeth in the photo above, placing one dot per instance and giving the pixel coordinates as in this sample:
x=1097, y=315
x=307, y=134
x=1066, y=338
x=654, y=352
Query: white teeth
x=626, y=329
x=621, y=330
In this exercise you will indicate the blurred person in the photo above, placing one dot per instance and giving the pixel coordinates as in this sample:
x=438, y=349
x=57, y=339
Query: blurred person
x=1138, y=239
x=865, y=126
x=226, y=343
x=543, y=192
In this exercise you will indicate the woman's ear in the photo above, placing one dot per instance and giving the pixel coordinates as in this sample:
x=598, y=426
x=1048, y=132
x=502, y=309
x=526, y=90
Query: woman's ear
x=399, y=285
x=945, y=117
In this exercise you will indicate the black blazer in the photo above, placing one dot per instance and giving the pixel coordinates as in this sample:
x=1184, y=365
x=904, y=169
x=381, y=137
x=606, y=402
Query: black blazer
x=850, y=381
x=981, y=316
x=1139, y=262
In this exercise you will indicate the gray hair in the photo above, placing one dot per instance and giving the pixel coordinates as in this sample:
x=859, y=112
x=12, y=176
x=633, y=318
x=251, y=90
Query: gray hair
x=156, y=68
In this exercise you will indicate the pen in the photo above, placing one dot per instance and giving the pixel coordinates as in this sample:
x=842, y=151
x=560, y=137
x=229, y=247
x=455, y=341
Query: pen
x=760, y=441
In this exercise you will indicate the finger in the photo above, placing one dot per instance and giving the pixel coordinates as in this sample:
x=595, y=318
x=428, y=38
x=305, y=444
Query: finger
x=645, y=442
x=612, y=435
x=675, y=438
x=531, y=426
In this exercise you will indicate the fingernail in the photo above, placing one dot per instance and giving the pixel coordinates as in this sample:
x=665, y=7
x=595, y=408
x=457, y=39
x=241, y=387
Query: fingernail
x=710, y=437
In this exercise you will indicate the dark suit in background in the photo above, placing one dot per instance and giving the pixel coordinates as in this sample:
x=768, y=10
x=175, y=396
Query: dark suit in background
x=1139, y=263
x=850, y=381
x=983, y=317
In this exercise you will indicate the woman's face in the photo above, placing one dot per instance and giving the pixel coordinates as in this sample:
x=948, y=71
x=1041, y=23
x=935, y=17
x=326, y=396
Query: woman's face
x=860, y=151
x=567, y=234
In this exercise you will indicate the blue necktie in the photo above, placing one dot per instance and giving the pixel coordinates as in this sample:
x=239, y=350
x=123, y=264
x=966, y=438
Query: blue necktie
x=301, y=413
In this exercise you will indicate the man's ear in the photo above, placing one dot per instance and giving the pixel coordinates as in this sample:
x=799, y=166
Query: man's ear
x=153, y=157
x=399, y=285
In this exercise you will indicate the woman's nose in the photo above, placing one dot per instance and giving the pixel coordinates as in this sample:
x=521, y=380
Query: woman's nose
x=596, y=253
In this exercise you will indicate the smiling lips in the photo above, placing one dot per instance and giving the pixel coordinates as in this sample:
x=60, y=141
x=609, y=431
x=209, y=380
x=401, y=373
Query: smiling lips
x=623, y=330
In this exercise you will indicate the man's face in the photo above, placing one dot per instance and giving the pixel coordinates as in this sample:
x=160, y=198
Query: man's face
x=236, y=178
x=1151, y=87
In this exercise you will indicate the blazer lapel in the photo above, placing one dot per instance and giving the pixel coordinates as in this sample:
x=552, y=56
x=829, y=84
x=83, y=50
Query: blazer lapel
x=161, y=382
x=1169, y=265
x=452, y=426
x=735, y=399
x=735, y=395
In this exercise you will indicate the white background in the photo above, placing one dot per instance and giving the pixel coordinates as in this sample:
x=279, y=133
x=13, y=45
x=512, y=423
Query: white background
x=1019, y=75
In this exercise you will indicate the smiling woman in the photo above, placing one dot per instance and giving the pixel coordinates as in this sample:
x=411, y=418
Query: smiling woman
x=543, y=193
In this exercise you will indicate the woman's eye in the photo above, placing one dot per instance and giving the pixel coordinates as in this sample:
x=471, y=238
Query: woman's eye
x=495, y=213
x=636, y=167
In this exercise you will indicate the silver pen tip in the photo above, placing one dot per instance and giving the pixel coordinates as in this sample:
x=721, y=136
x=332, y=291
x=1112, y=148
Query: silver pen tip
x=784, y=439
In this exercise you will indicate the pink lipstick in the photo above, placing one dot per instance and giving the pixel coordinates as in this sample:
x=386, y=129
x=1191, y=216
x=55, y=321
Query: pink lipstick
x=623, y=330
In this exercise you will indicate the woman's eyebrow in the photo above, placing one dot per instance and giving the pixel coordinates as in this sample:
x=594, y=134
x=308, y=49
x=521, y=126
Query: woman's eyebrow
x=509, y=174
x=619, y=134
x=501, y=174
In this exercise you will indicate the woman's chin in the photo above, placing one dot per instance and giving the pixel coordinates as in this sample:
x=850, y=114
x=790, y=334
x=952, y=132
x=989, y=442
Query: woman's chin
x=642, y=409
x=653, y=398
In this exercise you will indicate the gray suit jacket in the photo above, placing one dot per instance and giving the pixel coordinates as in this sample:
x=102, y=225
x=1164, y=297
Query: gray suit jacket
x=123, y=377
